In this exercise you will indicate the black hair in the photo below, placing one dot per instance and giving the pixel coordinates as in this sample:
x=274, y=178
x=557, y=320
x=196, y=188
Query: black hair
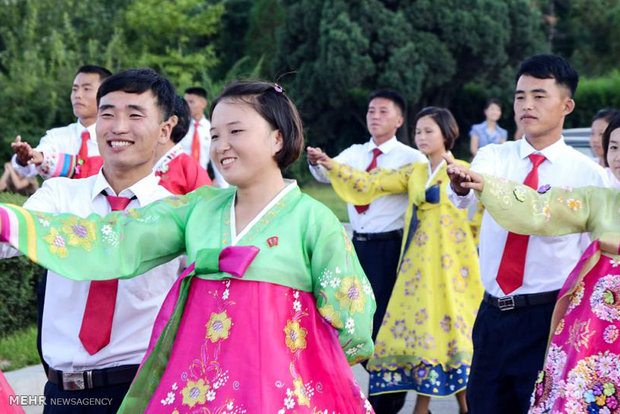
x=99, y=70
x=197, y=90
x=139, y=81
x=550, y=67
x=181, y=110
x=270, y=101
x=493, y=101
x=614, y=124
x=393, y=96
x=446, y=122
x=607, y=114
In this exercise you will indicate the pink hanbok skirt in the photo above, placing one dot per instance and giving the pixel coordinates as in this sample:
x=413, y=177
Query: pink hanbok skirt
x=582, y=366
x=251, y=347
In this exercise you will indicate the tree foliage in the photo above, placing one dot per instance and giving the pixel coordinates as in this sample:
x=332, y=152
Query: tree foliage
x=43, y=42
x=329, y=54
x=427, y=49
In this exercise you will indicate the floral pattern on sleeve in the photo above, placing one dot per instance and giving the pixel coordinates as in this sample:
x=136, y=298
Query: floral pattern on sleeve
x=344, y=295
x=361, y=187
x=520, y=209
x=64, y=242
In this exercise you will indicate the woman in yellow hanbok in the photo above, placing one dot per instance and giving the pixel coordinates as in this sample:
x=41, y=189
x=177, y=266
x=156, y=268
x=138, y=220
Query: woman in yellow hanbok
x=424, y=343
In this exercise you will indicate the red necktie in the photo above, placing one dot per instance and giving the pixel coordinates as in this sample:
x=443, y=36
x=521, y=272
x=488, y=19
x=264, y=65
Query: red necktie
x=510, y=273
x=196, y=143
x=83, y=154
x=373, y=164
x=99, y=311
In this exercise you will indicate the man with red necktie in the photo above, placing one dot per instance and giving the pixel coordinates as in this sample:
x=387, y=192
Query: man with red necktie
x=197, y=141
x=378, y=227
x=522, y=275
x=69, y=151
x=95, y=334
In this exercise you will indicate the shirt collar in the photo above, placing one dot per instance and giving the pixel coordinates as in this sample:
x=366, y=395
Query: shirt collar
x=91, y=129
x=203, y=121
x=552, y=153
x=172, y=153
x=386, y=147
x=142, y=189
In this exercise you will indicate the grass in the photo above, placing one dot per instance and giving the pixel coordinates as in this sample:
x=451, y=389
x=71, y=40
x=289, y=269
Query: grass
x=19, y=349
x=326, y=195
x=6, y=197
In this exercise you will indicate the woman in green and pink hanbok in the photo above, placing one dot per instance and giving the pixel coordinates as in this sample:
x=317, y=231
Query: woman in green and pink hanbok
x=271, y=313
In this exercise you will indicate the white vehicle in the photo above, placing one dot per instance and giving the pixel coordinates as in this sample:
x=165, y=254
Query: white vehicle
x=579, y=138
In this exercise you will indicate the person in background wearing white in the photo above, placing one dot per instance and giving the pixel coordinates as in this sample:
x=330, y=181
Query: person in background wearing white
x=522, y=276
x=197, y=141
x=377, y=227
x=69, y=151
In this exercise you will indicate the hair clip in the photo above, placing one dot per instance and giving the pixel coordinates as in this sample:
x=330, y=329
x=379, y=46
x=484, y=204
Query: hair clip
x=278, y=88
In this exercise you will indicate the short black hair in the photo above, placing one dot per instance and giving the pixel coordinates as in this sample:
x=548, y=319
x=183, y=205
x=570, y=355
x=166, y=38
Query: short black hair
x=607, y=114
x=270, y=101
x=614, y=124
x=139, y=81
x=181, y=110
x=99, y=70
x=493, y=101
x=393, y=96
x=547, y=66
x=446, y=122
x=197, y=90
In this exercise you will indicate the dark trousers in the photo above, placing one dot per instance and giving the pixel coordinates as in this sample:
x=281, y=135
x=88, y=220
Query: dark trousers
x=379, y=259
x=104, y=400
x=509, y=350
x=40, y=304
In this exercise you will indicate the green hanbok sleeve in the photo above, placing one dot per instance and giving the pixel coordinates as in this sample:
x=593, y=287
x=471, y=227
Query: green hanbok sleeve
x=361, y=187
x=343, y=294
x=547, y=212
x=120, y=245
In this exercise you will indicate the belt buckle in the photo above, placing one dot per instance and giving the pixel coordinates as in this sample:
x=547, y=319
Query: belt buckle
x=360, y=237
x=73, y=381
x=506, y=303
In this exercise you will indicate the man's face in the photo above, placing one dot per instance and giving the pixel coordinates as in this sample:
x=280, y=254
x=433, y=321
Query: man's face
x=383, y=118
x=197, y=105
x=84, y=95
x=540, y=106
x=129, y=127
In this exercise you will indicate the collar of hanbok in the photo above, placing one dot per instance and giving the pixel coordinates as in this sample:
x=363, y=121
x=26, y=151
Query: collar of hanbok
x=290, y=185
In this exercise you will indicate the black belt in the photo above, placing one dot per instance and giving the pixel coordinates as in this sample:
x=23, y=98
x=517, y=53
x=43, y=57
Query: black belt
x=95, y=378
x=521, y=301
x=387, y=235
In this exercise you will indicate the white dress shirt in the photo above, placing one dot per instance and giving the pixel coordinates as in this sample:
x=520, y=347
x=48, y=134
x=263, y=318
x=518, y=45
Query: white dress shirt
x=613, y=181
x=385, y=213
x=65, y=140
x=549, y=260
x=138, y=299
x=204, y=134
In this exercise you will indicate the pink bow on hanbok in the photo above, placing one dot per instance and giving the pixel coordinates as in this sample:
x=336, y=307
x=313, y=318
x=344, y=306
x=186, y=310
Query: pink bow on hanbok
x=233, y=260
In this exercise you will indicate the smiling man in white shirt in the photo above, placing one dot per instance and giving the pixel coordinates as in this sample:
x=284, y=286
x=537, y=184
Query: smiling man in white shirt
x=522, y=275
x=89, y=356
x=378, y=227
